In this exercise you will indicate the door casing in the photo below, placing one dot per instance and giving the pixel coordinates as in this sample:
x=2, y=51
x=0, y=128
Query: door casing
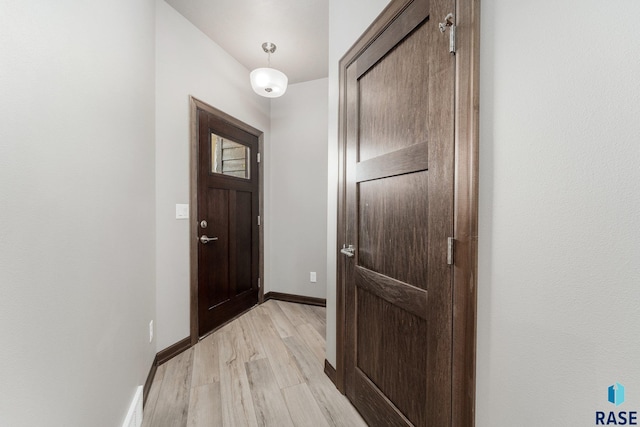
x=466, y=140
x=194, y=105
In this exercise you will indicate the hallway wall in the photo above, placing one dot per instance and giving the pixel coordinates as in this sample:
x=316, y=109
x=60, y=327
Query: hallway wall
x=558, y=317
x=77, y=209
x=189, y=63
x=298, y=190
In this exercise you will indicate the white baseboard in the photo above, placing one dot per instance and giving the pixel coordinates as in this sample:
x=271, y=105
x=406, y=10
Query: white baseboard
x=134, y=416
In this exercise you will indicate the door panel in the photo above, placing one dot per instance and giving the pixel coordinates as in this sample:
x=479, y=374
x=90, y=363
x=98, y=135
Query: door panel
x=393, y=361
x=399, y=213
x=393, y=227
x=243, y=250
x=228, y=200
x=217, y=279
x=384, y=90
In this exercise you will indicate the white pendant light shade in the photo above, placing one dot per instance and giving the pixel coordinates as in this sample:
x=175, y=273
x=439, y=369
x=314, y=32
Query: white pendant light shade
x=269, y=82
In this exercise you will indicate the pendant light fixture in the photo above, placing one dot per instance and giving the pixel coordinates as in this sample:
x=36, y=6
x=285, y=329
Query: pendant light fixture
x=269, y=82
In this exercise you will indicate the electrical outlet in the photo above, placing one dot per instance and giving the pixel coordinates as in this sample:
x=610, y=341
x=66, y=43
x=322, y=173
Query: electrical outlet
x=312, y=277
x=151, y=331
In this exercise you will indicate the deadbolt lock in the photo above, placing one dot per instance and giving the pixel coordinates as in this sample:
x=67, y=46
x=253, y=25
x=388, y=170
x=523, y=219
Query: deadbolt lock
x=203, y=224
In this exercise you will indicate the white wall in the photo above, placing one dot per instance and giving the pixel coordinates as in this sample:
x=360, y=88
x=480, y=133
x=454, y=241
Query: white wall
x=347, y=21
x=559, y=276
x=298, y=190
x=76, y=209
x=189, y=63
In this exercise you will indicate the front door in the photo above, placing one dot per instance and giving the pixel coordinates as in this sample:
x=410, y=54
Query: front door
x=227, y=220
x=399, y=101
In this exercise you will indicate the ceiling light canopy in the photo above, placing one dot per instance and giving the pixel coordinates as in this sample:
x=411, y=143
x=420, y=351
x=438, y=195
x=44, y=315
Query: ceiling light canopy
x=269, y=82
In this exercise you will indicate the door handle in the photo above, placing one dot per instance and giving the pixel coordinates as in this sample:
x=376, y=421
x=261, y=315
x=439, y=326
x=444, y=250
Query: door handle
x=348, y=251
x=205, y=239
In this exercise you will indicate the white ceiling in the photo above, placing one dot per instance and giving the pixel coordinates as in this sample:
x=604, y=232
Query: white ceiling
x=299, y=28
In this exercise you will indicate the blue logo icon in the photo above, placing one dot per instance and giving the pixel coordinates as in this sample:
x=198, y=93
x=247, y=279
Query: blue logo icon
x=616, y=394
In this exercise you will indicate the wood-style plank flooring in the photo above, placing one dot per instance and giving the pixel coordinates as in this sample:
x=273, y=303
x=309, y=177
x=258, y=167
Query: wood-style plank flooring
x=265, y=368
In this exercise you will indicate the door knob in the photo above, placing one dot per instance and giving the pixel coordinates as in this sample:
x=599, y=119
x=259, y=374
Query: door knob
x=206, y=239
x=348, y=251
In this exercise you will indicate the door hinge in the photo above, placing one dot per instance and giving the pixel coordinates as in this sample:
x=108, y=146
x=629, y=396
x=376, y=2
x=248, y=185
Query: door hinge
x=448, y=23
x=258, y=220
x=450, y=245
x=258, y=157
x=258, y=283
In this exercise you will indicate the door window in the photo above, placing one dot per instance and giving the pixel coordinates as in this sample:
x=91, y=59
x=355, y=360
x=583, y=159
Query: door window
x=229, y=157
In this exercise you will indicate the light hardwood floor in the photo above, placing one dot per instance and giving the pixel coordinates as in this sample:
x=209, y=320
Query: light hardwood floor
x=265, y=368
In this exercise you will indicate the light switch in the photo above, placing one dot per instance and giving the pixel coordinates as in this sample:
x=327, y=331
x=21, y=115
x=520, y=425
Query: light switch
x=182, y=211
x=312, y=277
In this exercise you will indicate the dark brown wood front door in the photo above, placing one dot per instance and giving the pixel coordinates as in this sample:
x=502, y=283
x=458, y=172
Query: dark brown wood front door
x=227, y=221
x=399, y=101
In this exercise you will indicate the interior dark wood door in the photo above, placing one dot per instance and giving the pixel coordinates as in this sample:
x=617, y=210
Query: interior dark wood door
x=227, y=219
x=399, y=98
